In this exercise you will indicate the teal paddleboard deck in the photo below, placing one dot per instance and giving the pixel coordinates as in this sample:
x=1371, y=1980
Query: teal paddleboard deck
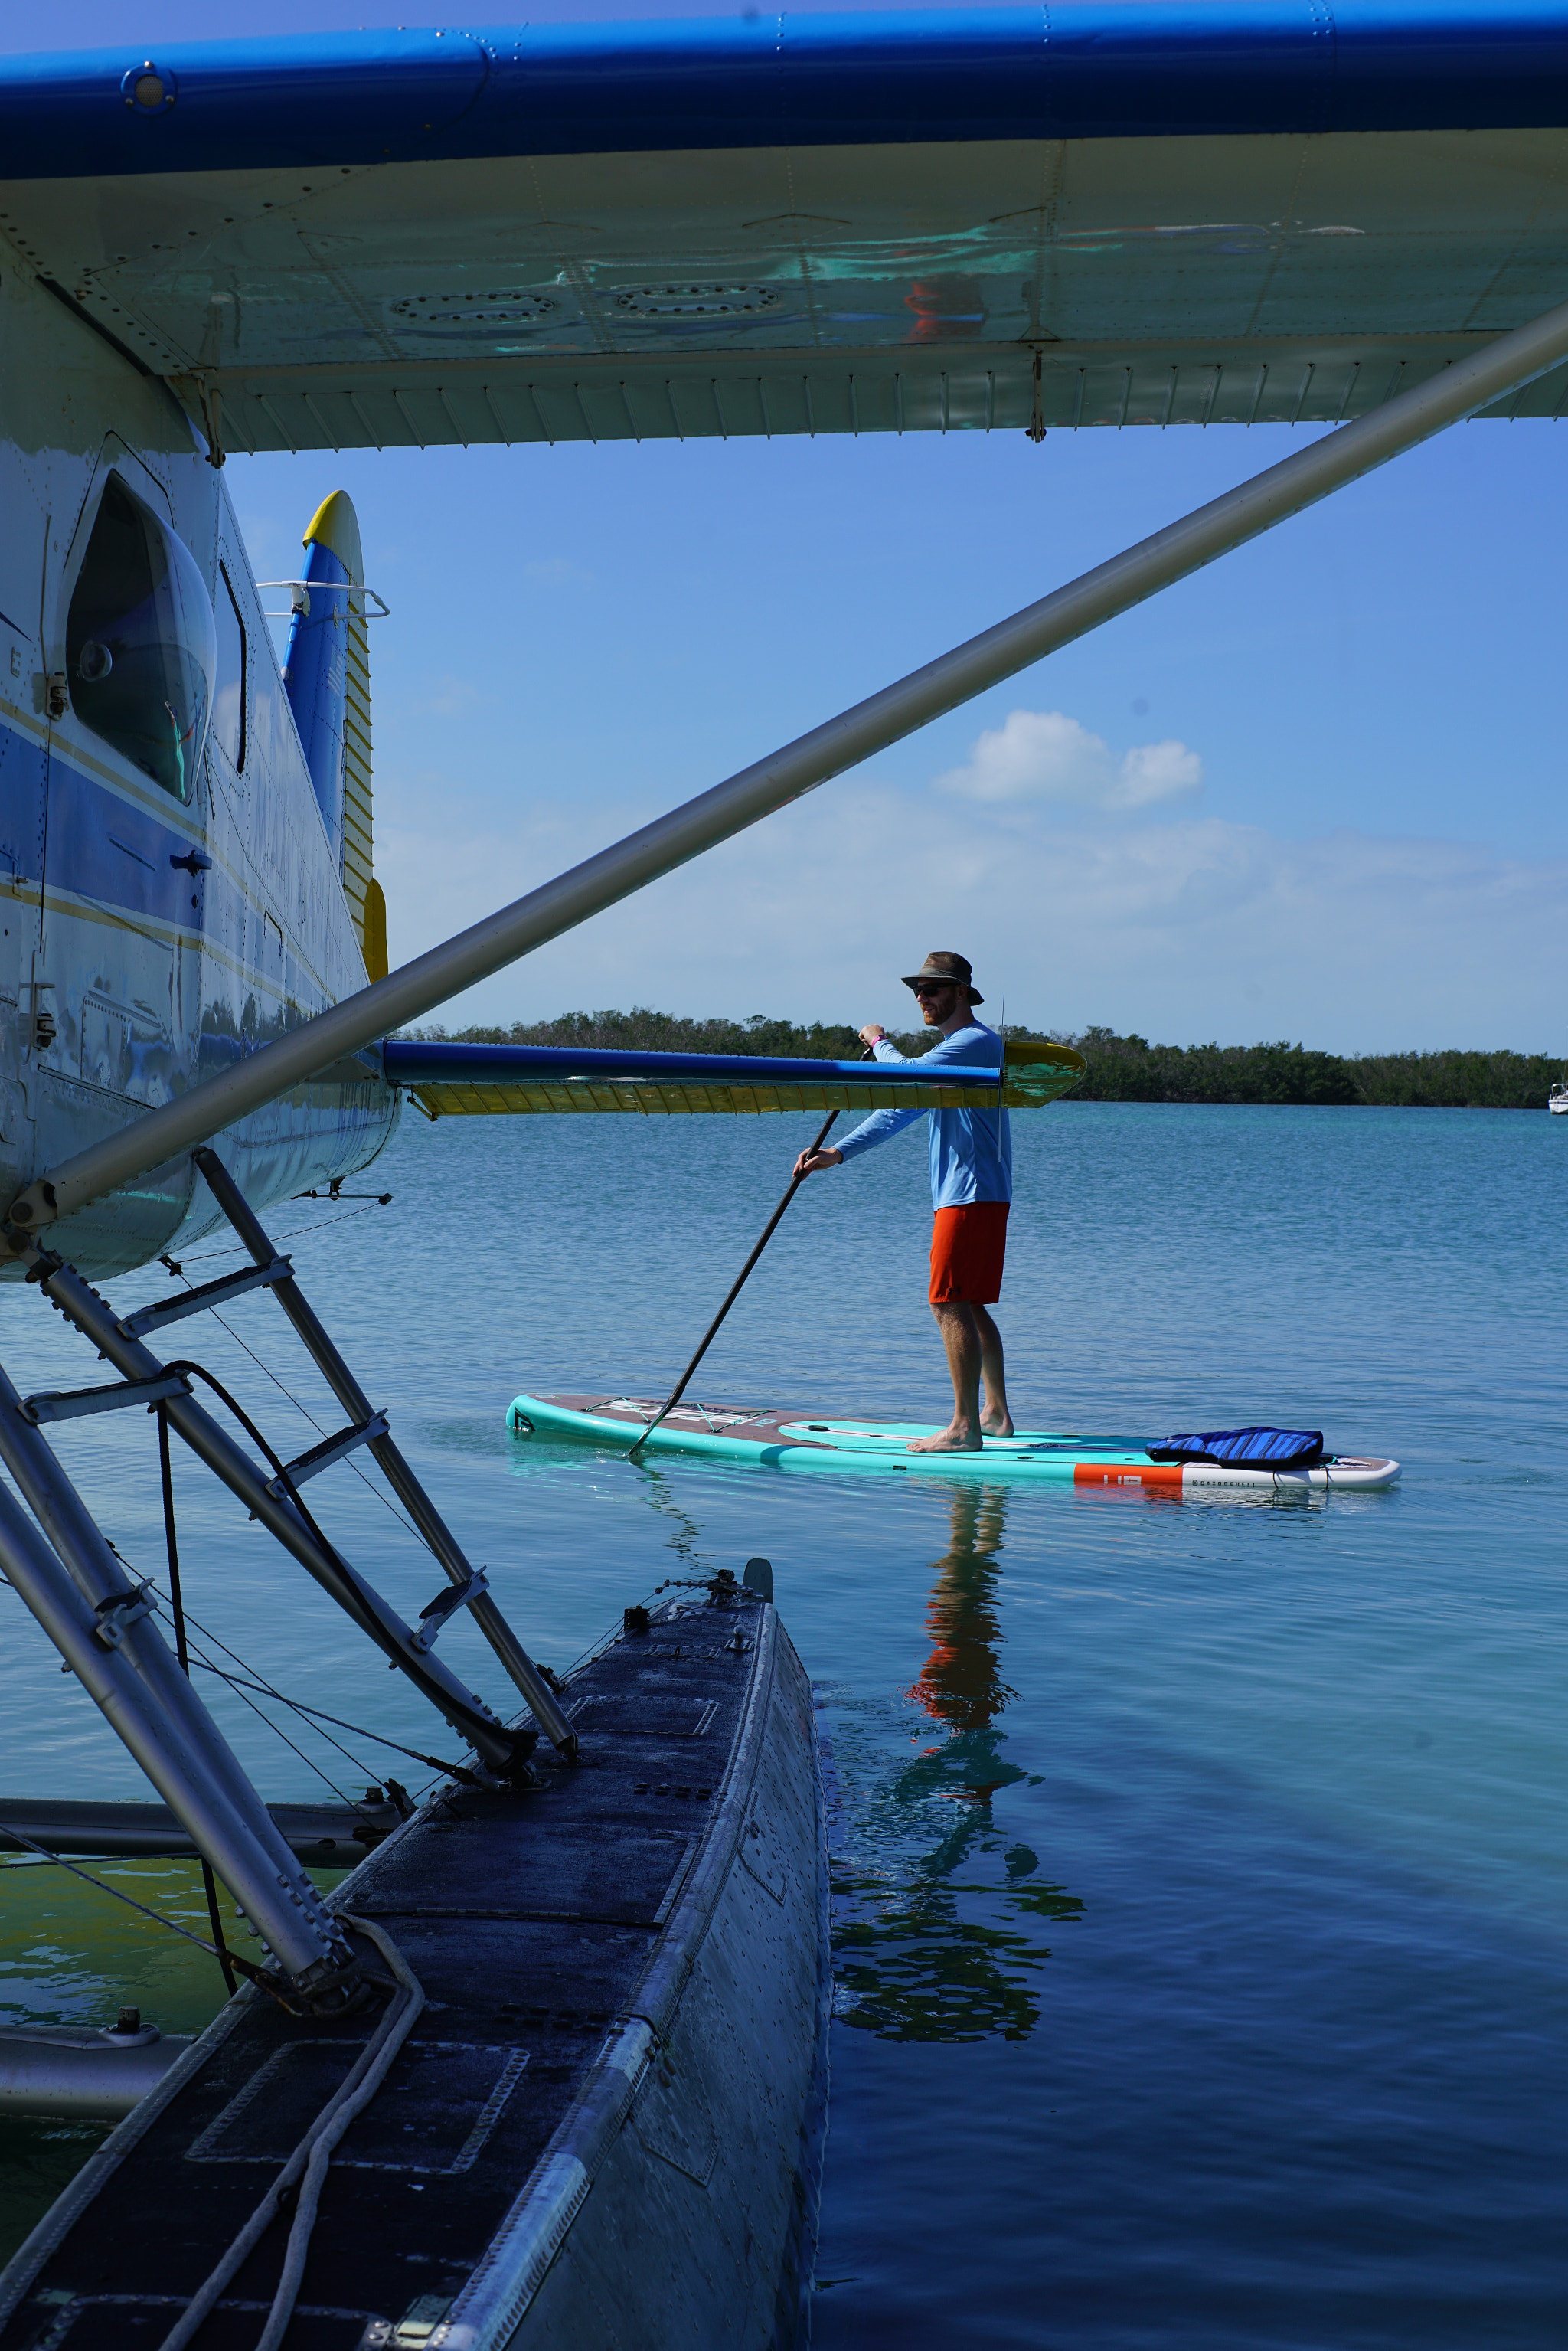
x=760, y=1435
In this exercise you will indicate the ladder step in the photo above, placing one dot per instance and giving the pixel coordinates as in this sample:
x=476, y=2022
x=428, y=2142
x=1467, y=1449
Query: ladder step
x=74, y=1404
x=445, y=1604
x=331, y=1448
x=208, y=1293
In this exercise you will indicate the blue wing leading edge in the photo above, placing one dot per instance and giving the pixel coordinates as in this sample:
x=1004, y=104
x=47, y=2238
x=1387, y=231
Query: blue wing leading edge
x=1096, y=211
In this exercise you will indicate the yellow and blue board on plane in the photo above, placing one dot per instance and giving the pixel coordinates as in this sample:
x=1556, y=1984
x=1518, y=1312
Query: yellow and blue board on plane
x=480, y=1080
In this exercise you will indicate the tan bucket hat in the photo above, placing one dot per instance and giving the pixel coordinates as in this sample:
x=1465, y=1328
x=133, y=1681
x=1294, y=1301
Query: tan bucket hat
x=943, y=965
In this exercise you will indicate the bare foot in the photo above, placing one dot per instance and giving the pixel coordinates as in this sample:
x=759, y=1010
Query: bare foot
x=951, y=1440
x=1003, y=1428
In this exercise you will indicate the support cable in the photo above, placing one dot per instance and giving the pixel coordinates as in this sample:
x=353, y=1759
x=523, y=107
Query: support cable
x=303, y=1410
x=364, y=1598
x=189, y=1369
x=309, y=2162
x=437, y=1543
x=374, y=1199
x=279, y=1732
x=218, y=1951
x=178, y=1613
x=417, y=1754
x=87, y=1878
x=265, y=1690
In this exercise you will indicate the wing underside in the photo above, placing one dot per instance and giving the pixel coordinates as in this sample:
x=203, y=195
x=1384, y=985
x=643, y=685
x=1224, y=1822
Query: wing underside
x=1276, y=211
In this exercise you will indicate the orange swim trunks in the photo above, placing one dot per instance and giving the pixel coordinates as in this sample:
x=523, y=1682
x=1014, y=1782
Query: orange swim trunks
x=968, y=1245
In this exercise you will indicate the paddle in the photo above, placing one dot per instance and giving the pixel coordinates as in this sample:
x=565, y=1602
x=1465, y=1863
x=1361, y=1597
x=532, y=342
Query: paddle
x=769, y=1229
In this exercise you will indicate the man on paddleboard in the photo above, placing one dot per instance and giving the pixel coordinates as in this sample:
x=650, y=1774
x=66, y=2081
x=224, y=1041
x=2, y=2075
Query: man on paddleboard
x=971, y=1187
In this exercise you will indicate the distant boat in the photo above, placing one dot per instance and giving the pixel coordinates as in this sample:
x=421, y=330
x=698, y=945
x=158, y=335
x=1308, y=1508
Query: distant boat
x=1557, y=1100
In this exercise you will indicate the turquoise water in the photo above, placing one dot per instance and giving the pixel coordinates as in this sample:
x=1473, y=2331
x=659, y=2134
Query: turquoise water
x=1199, y=1886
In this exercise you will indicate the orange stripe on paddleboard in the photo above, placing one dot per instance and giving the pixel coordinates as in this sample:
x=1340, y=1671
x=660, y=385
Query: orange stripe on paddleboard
x=1127, y=1473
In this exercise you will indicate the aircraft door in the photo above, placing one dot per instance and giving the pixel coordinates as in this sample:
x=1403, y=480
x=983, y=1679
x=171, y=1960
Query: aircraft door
x=116, y=978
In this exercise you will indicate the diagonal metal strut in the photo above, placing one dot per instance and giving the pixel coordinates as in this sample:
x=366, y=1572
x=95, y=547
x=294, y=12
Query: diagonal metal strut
x=77, y=1588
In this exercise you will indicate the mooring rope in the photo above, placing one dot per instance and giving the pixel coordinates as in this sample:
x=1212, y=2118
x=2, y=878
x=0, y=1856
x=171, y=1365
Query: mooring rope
x=310, y=2160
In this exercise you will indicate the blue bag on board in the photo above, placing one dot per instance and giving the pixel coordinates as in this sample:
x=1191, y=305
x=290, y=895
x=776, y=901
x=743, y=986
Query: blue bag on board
x=1246, y=1448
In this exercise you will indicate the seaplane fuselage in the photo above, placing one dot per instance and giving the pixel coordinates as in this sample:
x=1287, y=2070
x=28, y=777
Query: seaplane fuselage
x=171, y=872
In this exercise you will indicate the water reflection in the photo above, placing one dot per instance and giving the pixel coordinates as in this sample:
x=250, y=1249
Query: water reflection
x=935, y=1909
x=961, y=1684
x=685, y=1535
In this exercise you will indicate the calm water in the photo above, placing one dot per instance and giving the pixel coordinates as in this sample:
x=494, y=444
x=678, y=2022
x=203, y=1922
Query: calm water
x=1201, y=1910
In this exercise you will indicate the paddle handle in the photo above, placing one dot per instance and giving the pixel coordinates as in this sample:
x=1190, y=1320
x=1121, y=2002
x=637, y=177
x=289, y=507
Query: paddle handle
x=738, y=1284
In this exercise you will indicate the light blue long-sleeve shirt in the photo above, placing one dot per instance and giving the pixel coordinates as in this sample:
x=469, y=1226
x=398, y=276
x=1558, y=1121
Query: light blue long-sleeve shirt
x=971, y=1149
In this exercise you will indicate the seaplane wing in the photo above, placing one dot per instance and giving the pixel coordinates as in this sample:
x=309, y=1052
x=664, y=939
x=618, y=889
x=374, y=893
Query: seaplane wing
x=1093, y=211
x=468, y=1080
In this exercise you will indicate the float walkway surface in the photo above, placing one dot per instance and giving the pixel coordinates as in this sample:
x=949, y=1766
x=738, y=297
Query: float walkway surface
x=611, y=2100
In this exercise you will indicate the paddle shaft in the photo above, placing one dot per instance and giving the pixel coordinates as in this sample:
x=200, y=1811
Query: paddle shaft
x=738, y=1285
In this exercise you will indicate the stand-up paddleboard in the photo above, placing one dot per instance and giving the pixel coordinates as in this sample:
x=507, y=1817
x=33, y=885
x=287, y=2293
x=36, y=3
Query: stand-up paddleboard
x=786, y=1439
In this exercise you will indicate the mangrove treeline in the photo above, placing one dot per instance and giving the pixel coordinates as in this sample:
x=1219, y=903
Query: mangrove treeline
x=1121, y=1068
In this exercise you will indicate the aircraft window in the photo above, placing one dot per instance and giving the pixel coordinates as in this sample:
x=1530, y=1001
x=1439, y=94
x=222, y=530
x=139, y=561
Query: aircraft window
x=228, y=702
x=140, y=641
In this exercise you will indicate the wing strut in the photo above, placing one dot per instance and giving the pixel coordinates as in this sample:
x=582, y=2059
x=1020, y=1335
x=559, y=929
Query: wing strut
x=928, y=693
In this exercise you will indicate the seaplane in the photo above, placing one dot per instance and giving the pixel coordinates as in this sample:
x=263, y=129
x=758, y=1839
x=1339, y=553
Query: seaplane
x=577, y=2000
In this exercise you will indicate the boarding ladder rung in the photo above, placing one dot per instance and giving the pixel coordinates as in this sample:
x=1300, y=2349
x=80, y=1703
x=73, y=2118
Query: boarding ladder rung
x=75, y=1403
x=206, y=1293
x=321, y=1456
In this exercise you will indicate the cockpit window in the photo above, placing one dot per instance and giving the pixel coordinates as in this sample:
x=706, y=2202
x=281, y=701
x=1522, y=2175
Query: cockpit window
x=140, y=644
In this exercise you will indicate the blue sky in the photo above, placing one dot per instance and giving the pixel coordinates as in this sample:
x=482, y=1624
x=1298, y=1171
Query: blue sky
x=1315, y=791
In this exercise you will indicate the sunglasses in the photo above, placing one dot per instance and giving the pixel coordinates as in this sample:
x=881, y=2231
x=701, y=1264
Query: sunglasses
x=935, y=988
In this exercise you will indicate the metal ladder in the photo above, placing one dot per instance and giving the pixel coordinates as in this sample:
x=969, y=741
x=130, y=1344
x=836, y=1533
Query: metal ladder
x=147, y=1380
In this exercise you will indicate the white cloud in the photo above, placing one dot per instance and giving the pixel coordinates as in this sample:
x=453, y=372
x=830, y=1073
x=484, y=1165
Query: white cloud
x=1159, y=771
x=1043, y=754
x=1183, y=930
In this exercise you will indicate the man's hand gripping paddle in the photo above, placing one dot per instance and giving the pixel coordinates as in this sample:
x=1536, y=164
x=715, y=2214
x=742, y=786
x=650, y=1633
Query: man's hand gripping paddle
x=769, y=1229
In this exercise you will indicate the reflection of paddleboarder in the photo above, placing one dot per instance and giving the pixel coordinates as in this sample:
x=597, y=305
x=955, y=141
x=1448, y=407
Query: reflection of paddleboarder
x=960, y=1685
x=971, y=1185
